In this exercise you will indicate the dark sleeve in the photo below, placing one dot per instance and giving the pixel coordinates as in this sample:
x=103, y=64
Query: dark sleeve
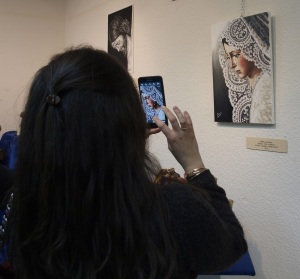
x=6, y=271
x=6, y=182
x=208, y=234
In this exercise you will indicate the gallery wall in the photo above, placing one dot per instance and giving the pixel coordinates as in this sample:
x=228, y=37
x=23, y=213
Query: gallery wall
x=31, y=31
x=173, y=39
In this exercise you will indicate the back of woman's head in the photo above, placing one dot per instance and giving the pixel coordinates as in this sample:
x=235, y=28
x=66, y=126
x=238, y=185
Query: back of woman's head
x=98, y=108
x=84, y=206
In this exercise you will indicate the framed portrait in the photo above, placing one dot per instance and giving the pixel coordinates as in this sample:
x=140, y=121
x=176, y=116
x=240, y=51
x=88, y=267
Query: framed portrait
x=242, y=70
x=120, y=36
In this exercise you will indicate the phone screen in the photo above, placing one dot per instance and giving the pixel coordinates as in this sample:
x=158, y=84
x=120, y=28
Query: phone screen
x=152, y=98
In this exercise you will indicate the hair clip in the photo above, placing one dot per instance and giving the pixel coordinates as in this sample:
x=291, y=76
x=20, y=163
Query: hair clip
x=53, y=100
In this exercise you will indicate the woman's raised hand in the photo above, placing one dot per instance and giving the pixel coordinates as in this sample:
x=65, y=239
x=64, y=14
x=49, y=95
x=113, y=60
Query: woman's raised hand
x=181, y=139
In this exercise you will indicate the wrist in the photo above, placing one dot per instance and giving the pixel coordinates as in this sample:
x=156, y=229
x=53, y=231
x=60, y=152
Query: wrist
x=195, y=172
x=196, y=165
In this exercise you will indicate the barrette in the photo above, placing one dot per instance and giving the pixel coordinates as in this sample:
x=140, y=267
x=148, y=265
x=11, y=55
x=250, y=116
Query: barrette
x=53, y=100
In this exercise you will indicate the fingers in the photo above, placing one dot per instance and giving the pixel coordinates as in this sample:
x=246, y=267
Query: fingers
x=172, y=118
x=182, y=119
x=162, y=126
x=149, y=132
x=181, y=122
x=188, y=121
x=181, y=138
x=154, y=131
x=178, y=122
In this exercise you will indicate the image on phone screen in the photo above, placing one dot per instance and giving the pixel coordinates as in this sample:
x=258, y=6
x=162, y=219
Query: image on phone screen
x=152, y=98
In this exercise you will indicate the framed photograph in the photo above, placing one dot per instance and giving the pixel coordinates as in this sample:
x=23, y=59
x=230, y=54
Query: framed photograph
x=242, y=70
x=120, y=36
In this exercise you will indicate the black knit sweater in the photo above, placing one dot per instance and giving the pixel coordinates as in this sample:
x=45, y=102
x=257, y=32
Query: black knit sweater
x=208, y=234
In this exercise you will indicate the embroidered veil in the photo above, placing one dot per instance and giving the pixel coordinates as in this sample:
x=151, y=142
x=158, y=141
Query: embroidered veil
x=251, y=36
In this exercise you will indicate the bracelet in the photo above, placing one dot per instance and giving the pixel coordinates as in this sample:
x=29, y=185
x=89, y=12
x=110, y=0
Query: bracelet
x=194, y=173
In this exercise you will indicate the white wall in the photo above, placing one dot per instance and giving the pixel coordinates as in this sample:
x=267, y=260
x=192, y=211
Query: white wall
x=30, y=32
x=172, y=39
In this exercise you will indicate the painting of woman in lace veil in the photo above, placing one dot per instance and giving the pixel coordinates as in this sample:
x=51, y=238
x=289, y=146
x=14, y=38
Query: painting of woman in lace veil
x=242, y=70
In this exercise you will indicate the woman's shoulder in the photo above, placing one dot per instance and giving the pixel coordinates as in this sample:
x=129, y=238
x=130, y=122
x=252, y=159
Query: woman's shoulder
x=175, y=191
x=183, y=199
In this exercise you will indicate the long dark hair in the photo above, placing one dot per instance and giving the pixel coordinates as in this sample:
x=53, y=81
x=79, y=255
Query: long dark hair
x=84, y=205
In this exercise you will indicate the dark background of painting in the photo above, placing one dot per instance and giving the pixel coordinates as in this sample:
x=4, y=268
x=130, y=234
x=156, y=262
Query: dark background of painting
x=222, y=106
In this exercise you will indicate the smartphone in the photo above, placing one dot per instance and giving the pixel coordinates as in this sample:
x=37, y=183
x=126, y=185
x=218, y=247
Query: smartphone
x=153, y=98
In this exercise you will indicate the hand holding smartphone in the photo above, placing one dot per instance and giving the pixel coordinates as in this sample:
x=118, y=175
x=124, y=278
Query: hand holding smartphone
x=153, y=98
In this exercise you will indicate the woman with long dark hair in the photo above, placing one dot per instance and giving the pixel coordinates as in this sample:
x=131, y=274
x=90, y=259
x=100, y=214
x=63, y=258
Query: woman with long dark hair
x=84, y=204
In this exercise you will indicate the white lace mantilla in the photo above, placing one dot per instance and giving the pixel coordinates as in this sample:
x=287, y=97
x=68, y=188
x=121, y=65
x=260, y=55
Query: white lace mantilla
x=261, y=104
x=251, y=36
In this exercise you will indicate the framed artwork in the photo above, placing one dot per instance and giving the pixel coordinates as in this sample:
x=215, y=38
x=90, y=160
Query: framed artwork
x=242, y=70
x=120, y=36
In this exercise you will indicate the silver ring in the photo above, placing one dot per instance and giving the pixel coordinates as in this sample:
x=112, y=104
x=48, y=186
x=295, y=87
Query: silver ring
x=183, y=128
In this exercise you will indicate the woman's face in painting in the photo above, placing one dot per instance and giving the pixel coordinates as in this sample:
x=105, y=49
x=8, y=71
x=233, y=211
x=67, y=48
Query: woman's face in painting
x=119, y=44
x=238, y=62
x=150, y=102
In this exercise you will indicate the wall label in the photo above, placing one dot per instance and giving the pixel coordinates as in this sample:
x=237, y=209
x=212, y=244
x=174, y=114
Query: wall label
x=267, y=144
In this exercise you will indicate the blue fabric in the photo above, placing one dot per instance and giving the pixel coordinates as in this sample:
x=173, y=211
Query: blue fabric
x=243, y=266
x=9, y=145
x=3, y=255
